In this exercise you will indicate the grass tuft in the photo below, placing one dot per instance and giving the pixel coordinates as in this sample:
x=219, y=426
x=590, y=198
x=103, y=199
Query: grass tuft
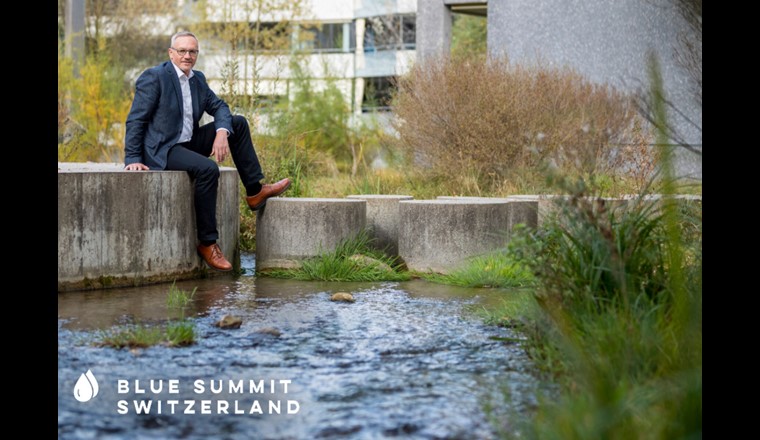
x=337, y=265
x=178, y=298
x=138, y=336
x=174, y=334
x=494, y=270
x=180, y=333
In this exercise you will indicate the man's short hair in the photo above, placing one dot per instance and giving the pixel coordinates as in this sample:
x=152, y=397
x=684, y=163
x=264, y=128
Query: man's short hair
x=185, y=34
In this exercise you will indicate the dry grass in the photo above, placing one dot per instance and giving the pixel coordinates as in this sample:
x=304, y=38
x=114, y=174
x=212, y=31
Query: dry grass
x=488, y=123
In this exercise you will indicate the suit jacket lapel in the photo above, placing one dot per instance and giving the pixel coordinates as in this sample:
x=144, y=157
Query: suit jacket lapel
x=196, y=100
x=175, y=81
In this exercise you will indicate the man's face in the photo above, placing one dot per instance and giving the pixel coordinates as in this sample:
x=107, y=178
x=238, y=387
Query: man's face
x=187, y=61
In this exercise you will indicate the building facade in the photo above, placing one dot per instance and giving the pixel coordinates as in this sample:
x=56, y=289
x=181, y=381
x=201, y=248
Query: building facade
x=358, y=46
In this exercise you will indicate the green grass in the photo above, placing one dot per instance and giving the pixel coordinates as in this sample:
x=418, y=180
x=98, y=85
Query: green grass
x=174, y=334
x=612, y=325
x=494, y=270
x=178, y=298
x=180, y=333
x=138, y=336
x=514, y=310
x=617, y=322
x=337, y=265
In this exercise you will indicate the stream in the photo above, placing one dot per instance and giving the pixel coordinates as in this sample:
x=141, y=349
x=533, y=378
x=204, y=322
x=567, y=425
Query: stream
x=408, y=359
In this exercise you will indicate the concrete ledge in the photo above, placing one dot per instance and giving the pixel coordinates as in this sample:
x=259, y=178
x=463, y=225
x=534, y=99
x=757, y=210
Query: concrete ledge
x=520, y=209
x=439, y=235
x=119, y=228
x=290, y=230
x=549, y=206
x=382, y=220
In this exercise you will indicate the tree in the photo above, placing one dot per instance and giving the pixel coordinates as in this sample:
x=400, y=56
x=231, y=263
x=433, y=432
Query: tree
x=249, y=33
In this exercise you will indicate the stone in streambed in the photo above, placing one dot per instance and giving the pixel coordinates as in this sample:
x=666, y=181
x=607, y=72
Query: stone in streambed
x=269, y=331
x=342, y=296
x=229, y=321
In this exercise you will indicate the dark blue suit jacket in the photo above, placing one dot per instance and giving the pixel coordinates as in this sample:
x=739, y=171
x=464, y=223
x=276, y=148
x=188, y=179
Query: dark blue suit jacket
x=154, y=123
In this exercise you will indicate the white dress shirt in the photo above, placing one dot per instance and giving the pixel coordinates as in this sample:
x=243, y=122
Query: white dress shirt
x=187, y=105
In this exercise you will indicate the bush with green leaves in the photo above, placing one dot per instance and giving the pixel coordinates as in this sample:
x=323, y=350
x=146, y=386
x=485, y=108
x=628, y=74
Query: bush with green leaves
x=618, y=316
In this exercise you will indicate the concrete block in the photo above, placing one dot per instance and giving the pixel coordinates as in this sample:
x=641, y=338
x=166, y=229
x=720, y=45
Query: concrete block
x=120, y=228
x=382, y=220
x=521, y=209
x=439, y=235
x=290, y=230
x=684, y=202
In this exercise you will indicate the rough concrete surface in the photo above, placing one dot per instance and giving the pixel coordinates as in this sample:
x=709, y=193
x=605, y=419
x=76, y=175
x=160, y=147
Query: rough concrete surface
x=382, y=220
x=289, y=230
x=118, y=228
x=522, y=209
x=439, y=235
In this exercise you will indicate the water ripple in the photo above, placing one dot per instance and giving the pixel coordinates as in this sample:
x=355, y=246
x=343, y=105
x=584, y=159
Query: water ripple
x=405, y=360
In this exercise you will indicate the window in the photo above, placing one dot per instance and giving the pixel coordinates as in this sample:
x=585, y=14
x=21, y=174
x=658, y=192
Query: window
x=389, y=33
x=409, y=31
x=262, y=36
x=327, y=37
x=378, y=92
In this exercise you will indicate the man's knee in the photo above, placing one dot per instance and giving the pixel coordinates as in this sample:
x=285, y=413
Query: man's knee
x=239, y=123
x=209, y=171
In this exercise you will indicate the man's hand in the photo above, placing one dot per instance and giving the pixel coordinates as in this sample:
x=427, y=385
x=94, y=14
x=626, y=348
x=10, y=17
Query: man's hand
x=221, y=147
x=136, y=167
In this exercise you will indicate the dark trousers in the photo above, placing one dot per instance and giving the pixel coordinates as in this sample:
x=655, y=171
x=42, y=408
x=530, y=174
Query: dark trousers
x=193, y=157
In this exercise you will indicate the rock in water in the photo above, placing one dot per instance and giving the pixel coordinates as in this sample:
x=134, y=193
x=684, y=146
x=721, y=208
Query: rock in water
x=269, y=331
x=229, y=321
x=342, y=296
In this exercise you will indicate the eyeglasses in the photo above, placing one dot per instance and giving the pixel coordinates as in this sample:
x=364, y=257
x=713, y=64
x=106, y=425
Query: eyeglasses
x=183, y=52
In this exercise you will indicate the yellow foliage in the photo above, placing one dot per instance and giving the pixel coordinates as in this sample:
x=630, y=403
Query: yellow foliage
x=92, y=109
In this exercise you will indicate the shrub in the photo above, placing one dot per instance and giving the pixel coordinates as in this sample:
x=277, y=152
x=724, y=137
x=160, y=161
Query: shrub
x=91, y=110
x=615, y=326
x=495, y=121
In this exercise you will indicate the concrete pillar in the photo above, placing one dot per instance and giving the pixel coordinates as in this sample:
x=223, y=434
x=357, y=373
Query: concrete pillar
x=120, y=228
x=382, y=219
x=290, y=230
x=74, y=14
x=520, y=209
x=439, y=235
x=433, y=29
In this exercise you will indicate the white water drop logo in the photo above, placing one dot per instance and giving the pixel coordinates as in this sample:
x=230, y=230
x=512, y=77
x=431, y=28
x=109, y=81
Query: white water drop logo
x=86, y=387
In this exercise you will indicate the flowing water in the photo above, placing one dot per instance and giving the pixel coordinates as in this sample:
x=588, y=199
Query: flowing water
x=409, y=359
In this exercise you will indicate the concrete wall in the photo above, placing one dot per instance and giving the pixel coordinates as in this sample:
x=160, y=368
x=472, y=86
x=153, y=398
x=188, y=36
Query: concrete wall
x=290, y=230
x=382, y=220
x=119, y=228
x=439, y=235
x=433, y=28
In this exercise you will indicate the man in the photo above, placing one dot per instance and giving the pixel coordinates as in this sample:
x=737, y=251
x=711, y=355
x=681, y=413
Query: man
x=162, y=133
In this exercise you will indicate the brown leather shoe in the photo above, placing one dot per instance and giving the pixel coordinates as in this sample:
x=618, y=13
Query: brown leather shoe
x=267, y=191
x=213, y=256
